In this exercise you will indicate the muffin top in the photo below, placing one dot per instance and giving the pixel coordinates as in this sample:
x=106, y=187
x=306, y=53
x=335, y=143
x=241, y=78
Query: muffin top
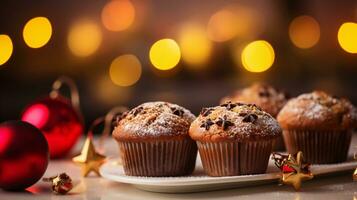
x=153, y=120
x=265, y=96
x=318, y=111
x=234, y=122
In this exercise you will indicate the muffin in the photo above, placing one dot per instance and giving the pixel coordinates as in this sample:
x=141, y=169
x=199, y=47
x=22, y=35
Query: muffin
x=153, y=140
x=234, y=139
x=319, y=125
x=265, y=96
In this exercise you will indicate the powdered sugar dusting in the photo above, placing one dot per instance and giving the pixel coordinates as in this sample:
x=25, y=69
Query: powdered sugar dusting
x=315, y=111
x=261, y=125
x=318, y=110
x=157, y=118
x=311, y=110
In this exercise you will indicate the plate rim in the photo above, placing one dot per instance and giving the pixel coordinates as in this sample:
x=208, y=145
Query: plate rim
x=107, y=172
x=180, y=180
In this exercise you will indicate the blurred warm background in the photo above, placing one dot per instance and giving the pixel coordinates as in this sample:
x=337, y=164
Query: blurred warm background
x=125, y=52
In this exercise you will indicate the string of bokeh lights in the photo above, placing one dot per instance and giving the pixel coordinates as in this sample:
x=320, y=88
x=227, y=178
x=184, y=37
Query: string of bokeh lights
x=194, y=41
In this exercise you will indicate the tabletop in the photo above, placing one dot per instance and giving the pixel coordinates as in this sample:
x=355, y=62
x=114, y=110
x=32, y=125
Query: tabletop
x=93, y=188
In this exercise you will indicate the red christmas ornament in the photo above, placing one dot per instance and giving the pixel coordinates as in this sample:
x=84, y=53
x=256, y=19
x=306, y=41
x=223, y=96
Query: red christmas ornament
x=58, y=118
x=23, y=155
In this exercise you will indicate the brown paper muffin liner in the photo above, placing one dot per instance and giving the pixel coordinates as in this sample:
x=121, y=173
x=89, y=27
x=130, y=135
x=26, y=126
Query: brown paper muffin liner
x=158, y=158
x=235, y=158
x=279, y=144
x=319, y=147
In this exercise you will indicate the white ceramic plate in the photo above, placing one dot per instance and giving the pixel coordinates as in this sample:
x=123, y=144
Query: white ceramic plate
x=198, y=181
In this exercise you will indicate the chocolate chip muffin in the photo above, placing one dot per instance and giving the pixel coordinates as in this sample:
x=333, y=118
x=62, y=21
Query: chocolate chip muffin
x=319, y=125
x=153, y=140
x=265, y=96
x=234, y=139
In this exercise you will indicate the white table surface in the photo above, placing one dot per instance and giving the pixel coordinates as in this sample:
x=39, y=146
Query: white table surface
x=95, y=188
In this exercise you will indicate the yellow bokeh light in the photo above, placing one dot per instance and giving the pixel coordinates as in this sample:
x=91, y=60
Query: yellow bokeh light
x=84, y=38
x=194, y=44
x=222, y=26
x=165, y=54
x=118, y=15
x=304, y=32
x=347, y=37
x=6, y=48
x=125, y=70
x=258, y=56
x=37, y=32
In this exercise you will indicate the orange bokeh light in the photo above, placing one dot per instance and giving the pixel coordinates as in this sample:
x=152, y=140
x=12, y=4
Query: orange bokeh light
x=118, y=15
x=222, y=26
x=304, y=32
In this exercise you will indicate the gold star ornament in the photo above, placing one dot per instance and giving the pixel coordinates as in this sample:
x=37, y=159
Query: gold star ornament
x=294, y=171
x=89, y=159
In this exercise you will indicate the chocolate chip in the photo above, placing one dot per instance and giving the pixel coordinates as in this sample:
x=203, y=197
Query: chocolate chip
x=254, y=106
x=229, y=105
x=225, y=104
x=227, y=124
x=219, y=122
x=118, y=117
x=177, y=111
x=242, y=114
x=206, y=111
x=207, y=124
x=264, y=93
x=224, y=123
x=250, y=118
x=136, y=111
